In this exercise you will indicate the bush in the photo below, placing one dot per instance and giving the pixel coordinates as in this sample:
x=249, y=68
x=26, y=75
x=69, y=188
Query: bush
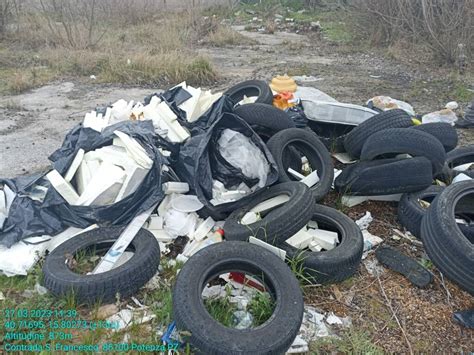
x=440, y=25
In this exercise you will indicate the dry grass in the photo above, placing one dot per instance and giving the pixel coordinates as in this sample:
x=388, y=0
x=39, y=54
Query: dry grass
x=226, y=36
x=158, y=51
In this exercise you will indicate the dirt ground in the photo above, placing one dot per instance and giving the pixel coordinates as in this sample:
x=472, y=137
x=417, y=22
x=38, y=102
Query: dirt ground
x=33, y=125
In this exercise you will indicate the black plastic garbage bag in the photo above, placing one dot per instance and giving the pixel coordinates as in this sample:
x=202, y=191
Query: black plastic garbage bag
x=198, y=163
x=28, y=218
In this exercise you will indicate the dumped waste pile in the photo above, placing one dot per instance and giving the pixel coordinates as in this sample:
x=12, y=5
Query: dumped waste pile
x=230, y=185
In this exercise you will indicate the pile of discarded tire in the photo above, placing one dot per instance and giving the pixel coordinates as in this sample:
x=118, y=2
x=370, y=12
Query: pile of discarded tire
x=393, y=155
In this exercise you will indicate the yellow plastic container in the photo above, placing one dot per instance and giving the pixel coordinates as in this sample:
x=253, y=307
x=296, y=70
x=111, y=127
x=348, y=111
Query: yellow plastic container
x=283, y=83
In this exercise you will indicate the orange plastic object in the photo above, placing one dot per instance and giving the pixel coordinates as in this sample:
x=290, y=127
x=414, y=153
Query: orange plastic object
x=283, y=83
x=282, y=100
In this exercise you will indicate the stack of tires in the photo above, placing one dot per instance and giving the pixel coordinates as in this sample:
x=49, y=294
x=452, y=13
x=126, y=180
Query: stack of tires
x=396, y=156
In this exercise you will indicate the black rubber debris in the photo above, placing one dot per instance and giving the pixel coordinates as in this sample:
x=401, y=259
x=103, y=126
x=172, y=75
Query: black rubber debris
x=399, y=262
x=465, y=318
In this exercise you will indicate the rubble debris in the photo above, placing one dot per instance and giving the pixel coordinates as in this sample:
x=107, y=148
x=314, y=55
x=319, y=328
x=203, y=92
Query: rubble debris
x=126, y=318
x=445, y=115
x=386, y=103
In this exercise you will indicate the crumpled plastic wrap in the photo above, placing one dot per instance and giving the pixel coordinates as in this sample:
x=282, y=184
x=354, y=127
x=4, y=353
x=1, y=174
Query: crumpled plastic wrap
x=240, y=152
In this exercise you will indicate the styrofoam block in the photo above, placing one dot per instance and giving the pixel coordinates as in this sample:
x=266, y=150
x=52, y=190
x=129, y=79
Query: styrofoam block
x=135, y=150
x=74, y=165
x=63, y=187
x=326, y=239
x=277, y=251
x=314, y=246
x=249, y=218
x=156, y=222
x=203, y=229
x=311, y=180
x=313, y=224
x=301, y=239
x=104, y=186
x=135, y=176
x=161, y=235
x=175, y=187
x=296, y=174
x=270, y=203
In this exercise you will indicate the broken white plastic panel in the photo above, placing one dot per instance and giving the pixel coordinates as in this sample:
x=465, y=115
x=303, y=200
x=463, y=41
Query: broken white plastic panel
x=203, y=229
x=461, y=177
x=296, y=174
x=164, y=119
x=82, y=177
x=74, y=165
x=199, y=102
x=156, y=222
x=344, y=158
x=463, y=167
x=314, y=246
x=175, y=187
x=277, y=251
x=193, y=247
x=326, y=239
x=136, y=151
x=121, y=244
x=337, y=172
x=311, y=180
x=301, y=239
x=312, y=224
x=94, y=121
x=161, y=235
x=63, y=187
x=270, y=203
x=134, y=177
x=186, y=203
x=7, y=196
x=351, y=201
x=103, y=187
x=249, y=218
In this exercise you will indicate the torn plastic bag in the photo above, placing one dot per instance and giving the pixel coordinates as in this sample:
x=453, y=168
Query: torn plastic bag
x=28, y=217
x=197, y=162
